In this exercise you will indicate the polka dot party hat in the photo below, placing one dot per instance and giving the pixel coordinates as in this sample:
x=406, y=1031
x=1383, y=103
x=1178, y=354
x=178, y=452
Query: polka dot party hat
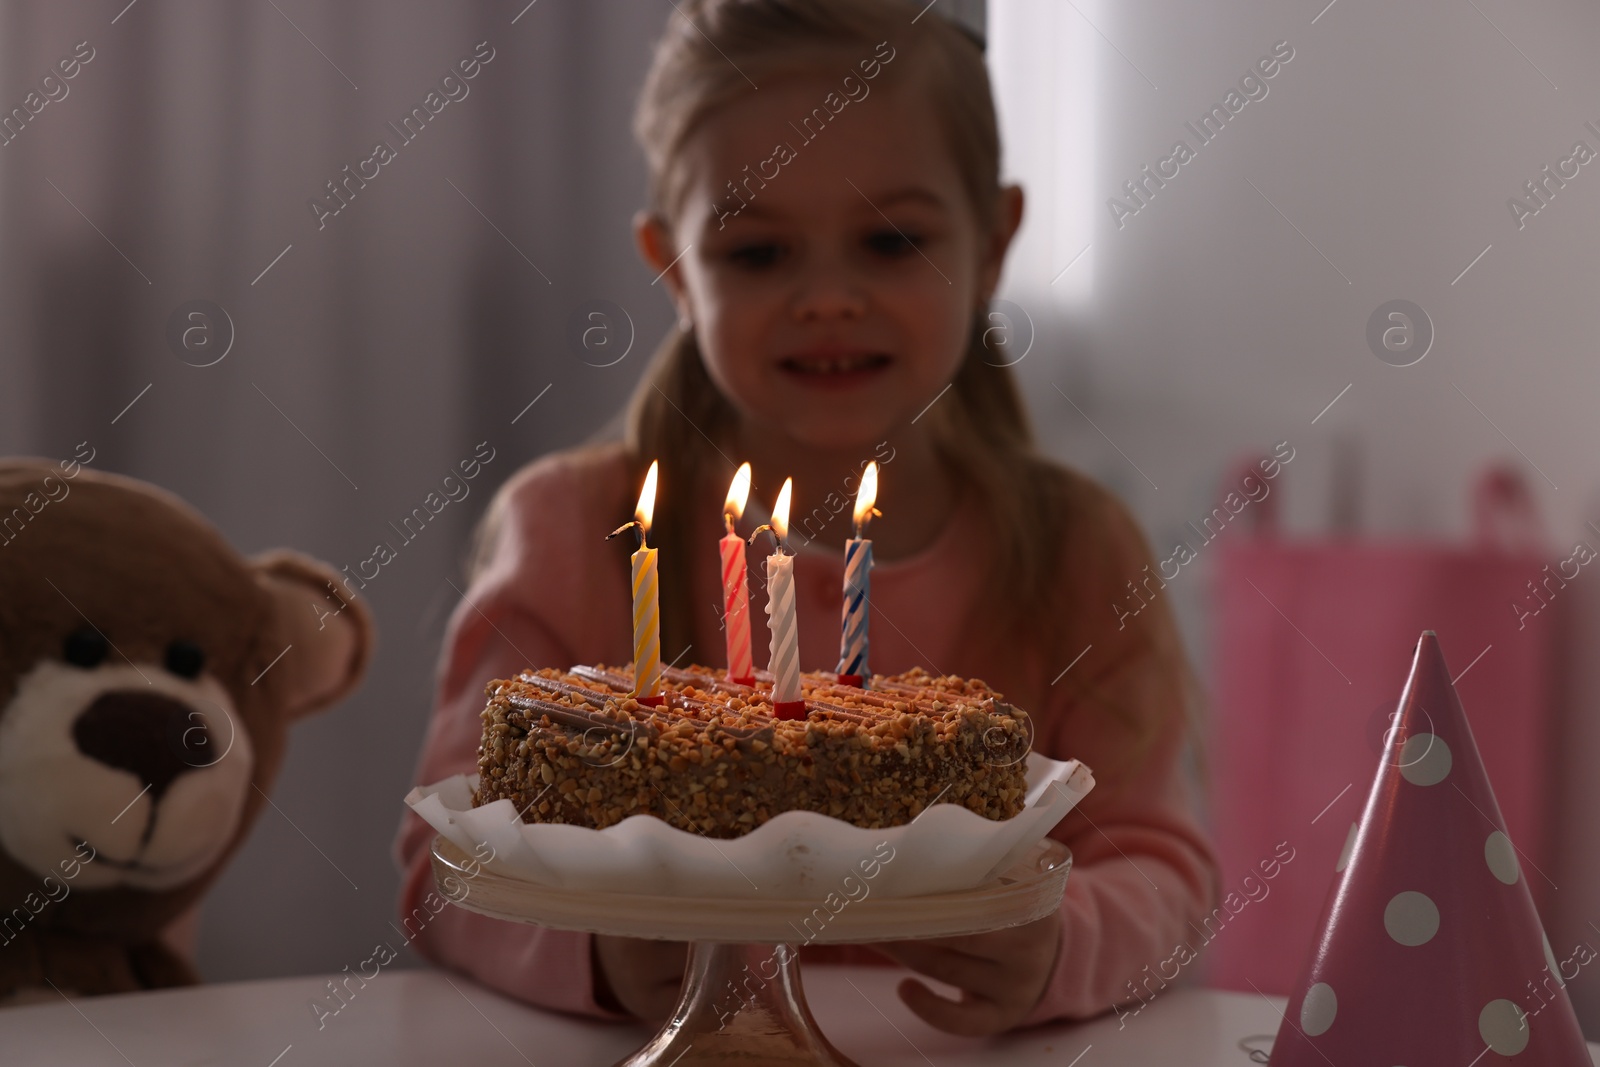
x=1431, y=952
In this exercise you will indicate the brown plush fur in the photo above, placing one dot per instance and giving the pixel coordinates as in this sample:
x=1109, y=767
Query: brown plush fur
x=144, y=569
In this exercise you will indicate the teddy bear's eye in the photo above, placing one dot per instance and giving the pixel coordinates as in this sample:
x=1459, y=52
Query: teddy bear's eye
x=185, y=659
x=85, y=647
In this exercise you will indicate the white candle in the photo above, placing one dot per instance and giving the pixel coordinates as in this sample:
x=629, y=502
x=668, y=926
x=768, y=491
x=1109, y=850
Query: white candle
x=785, y=651
x=784, y=660
x=735, y=583
x=857, y=565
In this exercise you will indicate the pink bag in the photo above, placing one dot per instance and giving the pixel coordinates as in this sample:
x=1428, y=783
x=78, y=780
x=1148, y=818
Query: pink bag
x=1313, y=641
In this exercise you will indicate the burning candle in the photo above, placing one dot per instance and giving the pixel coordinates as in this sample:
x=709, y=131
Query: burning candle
x=646, y=614
x=853, y=669
x=735, y=583
x=784, y=662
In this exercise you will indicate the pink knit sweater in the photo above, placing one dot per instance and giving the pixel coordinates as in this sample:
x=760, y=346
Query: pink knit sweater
x=552, y=593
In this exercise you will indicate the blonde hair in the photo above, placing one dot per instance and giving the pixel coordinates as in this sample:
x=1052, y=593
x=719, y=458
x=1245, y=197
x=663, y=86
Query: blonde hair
x=707, y=58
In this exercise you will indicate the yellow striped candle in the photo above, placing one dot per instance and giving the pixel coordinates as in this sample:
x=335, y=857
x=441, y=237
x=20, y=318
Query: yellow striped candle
x=646, y=614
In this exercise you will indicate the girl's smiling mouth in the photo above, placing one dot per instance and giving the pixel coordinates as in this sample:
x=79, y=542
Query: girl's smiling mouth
x=834, y=367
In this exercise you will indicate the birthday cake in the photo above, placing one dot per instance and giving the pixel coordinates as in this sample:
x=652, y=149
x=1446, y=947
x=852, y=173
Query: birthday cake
x=576, y=747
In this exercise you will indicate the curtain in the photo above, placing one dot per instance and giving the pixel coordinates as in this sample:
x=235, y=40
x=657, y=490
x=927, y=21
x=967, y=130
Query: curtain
x=370, y=349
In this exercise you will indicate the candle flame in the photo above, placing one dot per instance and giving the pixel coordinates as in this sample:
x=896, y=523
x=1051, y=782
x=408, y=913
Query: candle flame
x=780, y=510
x=738, y=493
x=867, y=495
x=647, y=498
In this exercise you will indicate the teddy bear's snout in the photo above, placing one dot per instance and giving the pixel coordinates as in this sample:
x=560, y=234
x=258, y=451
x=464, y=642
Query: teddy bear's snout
x=152, y=735
x=151, y=769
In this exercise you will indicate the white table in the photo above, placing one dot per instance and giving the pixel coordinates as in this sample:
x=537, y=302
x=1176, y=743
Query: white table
x=430, y=1019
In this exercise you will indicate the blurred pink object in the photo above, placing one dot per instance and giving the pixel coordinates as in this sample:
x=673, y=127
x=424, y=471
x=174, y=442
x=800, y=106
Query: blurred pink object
x=1430, y=949
x=1310, y=650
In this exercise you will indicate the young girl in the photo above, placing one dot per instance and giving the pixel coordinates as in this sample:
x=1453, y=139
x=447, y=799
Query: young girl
x=826, y=214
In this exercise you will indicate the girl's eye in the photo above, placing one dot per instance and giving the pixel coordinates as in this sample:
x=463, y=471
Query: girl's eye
x=756, y=256
x=894, y=243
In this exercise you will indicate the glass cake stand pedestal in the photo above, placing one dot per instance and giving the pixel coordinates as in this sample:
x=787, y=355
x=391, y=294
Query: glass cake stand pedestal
x=742, y=1001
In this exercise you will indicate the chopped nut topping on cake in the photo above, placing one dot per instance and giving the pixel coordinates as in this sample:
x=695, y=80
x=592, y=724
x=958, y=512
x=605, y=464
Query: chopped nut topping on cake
x=575, y=747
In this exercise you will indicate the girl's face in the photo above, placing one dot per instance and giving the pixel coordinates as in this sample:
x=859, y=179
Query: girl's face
x=833, y=303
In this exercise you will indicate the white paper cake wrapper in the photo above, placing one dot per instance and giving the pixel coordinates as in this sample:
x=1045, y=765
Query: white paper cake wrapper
x=794, y=854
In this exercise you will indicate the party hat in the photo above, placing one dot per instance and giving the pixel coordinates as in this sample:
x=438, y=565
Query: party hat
x=1430, y=951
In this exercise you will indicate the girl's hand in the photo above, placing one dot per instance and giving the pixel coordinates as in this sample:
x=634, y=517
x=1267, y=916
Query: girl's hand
x=1001, y=975
x=638, y=976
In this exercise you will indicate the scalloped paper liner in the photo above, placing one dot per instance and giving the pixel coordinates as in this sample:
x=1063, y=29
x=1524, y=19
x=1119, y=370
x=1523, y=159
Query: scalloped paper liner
x=796, y=854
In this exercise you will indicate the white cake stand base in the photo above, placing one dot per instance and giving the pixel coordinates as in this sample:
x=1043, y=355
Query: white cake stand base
x=742, y=1002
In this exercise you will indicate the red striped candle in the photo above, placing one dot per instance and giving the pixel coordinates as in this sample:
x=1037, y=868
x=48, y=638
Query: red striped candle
x=735, y=583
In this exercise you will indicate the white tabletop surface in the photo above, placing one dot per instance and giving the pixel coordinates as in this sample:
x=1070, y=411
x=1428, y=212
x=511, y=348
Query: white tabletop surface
x=412, y=1018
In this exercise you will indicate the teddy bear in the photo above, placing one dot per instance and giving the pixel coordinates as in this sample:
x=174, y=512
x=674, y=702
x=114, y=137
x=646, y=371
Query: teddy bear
x=149, y=675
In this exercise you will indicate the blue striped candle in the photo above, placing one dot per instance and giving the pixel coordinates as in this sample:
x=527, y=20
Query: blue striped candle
x=853, y=637
x=853, y=668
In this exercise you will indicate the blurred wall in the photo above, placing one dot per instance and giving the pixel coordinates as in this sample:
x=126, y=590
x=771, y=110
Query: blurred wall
x=1226, y=309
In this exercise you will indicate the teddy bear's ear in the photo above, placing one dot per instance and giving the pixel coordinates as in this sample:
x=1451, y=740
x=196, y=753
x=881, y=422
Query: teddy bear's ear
x=330, y=632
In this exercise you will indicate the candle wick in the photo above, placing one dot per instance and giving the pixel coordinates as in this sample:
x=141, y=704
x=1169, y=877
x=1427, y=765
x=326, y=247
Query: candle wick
x=861, y=523
x=727, y=519
x=778, y=544
x=633, y=524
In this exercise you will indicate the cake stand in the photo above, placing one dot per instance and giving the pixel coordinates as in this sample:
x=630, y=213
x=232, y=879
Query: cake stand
x=742, y=1001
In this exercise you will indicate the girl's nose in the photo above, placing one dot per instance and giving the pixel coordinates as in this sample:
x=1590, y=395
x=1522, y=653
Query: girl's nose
x=828, y=292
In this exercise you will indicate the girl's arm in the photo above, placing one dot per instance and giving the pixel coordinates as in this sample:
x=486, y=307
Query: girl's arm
x=1145, y=875
x=542, y=565
x=547, y=968
x=1143, y=881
